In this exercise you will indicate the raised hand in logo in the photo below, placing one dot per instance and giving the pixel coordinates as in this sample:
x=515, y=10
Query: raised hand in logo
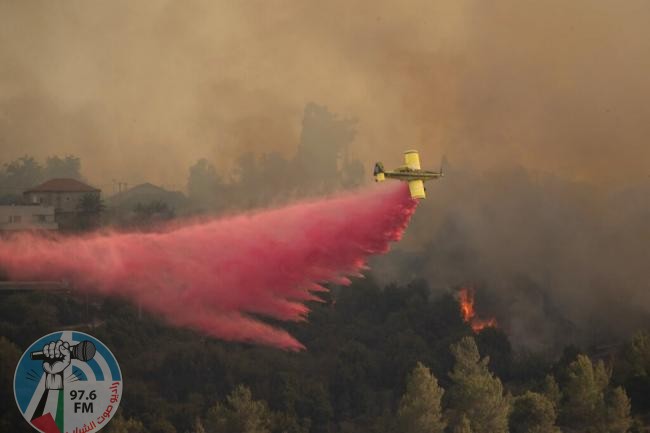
x=57, y=359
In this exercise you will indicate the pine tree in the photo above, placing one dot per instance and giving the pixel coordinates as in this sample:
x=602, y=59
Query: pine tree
x=198, y=426
x=634, y=359
x=240, y=414
x=476, y=393
x=119, y=424
x=463, y=426
x=618, y=418
x=419, y=409
x=584, y=402
x=533, y=413
x=590, y=404
x=551, y=390
x=637, y=354
x=9, y=356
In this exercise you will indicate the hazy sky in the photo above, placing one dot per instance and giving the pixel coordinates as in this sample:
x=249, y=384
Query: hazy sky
x=140, y=90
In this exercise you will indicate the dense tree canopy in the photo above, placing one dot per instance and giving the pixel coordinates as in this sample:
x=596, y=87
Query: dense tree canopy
x=476, y=393
x=360, y=373
x=240, y=414
x=589, y=400
x=463, y=426
x=419, y=409
x=533, y=413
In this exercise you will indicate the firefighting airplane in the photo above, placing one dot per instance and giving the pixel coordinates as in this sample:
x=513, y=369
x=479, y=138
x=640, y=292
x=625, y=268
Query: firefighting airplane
x=409, y=172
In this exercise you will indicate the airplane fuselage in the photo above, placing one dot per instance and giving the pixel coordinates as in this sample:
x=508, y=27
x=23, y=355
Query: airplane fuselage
x=410, y=173
x=407, y=173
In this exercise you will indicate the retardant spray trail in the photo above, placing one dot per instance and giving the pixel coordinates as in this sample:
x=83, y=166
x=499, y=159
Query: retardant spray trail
x=211, y=276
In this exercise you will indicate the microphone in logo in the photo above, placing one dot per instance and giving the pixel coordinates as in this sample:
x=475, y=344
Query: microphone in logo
x=83, y=351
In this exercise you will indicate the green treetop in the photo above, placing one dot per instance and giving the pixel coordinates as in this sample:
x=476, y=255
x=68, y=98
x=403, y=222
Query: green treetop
x=240, y=414
x=533, y=413
x=618, y=418
x=589, y=403
x=463, y=426
x=419, y=409
x=476, y=393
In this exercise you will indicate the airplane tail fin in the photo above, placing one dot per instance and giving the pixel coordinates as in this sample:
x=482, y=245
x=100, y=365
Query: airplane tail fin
x=443, y=165
x=379, y=172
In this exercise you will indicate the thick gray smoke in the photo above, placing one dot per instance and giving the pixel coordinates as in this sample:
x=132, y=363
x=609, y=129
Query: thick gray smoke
x=556, y=261
x=556, y=86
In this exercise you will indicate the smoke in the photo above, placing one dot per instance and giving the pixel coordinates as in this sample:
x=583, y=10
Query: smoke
x=553, y=86
x=556, y=262
x=219, y=276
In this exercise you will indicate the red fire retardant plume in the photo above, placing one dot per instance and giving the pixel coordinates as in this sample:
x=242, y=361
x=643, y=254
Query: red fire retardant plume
x=211, y=275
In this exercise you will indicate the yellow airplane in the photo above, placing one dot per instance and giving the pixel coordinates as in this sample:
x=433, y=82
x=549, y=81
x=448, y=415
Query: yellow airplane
x=409, y=172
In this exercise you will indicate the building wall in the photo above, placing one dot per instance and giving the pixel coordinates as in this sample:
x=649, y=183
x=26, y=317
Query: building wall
x=30, y=217
x=61, y=201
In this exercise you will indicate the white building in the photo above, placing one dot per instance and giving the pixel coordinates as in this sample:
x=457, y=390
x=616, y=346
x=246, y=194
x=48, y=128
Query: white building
x=29, y=217
x=66, y=196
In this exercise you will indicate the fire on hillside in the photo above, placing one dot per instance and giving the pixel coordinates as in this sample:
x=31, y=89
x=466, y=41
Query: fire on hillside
x=466, y=300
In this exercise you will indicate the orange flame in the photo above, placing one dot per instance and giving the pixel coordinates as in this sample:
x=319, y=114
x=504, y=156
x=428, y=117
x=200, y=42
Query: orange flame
x=466, y=299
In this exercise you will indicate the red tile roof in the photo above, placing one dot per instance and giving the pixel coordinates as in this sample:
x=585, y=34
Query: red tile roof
x=63, y=185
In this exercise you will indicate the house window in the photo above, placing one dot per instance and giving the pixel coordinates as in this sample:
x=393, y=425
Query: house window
x=41, y=218
x=15, y=218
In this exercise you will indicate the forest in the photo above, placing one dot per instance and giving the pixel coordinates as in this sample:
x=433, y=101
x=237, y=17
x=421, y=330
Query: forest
x=380, y=356
x=192, y=113
x=378, y=359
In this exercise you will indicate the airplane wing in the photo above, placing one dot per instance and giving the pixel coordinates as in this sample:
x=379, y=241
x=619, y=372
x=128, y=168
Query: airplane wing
x=416, y=188
x=412, y=159
x=410, y=172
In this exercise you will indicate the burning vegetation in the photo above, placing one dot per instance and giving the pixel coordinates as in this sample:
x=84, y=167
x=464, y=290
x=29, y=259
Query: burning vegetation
x=466, y=301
